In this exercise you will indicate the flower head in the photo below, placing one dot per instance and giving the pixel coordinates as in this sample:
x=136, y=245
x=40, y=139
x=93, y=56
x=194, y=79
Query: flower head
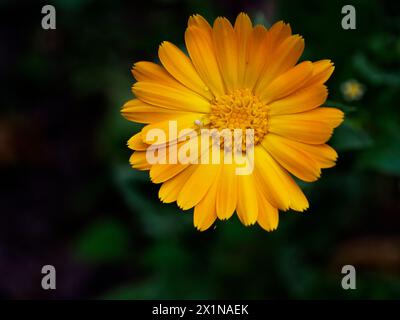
x=352, y=90
x=239, y=78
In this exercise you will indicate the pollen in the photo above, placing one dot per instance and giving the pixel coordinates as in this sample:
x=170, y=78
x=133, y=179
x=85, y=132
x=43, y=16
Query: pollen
x=242, y=110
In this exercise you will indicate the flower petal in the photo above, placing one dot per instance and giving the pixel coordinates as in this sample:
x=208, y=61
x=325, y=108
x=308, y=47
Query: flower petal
x=197, y=185
x=182, y=69
x=243, y=29
x=136, y=142
x=146, y=71
x=314, y=127
x=139, y=111
x=138, y=161
x=225, y=46
x=277, y=186
x=205, y=211
x=161, y=172
x=323, y=69
x=302, y=100
x=197, y=20
x=261, y=48
x=170, y=98
x=168, y=129
x=247, y=205
x=278, y=33
x=322, y=154
x=227, y=192
x=200, y=47
x=268, y=215
x=170, y=189
x=293, y=160
x=256, y=56
x=287, y=83
x=282, y=59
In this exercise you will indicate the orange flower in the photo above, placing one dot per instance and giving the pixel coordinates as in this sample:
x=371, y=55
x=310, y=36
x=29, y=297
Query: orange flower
x=236, y=77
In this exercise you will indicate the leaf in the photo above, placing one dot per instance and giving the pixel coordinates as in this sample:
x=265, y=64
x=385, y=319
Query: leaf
x=384, y=159
x=157, y=219
x=350, y=137
x=103, y=241
x=373, y=73
x=344, y=107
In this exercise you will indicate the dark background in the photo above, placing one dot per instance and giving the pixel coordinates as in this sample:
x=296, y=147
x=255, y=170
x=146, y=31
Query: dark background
x=70, y=199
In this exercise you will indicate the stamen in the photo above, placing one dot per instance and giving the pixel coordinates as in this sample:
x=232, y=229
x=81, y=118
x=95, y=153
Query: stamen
x=240, y=110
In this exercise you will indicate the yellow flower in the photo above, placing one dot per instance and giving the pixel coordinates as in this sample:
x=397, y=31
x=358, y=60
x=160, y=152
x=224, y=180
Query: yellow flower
x=236, y=77
x=352, y=90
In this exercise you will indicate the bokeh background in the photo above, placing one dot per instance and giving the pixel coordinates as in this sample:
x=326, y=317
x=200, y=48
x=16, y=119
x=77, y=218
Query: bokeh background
x=70, y=199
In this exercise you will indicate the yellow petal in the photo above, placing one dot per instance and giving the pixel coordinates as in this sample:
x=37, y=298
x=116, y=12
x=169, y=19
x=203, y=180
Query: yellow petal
x=170, y=189
x=277, y=186
x=287, y=83
x=268, y=175
x=247, y=205
x=282, y=59
x=205, y=211
x=198, y=21
x=167, y=128
x=146, y=71
x=225, y=46
x=139, y=111
x=162, y=172
x=262, y=46
x=322, y=70
x=200, y=47
x=278, y=33
x=298, y=200
x=268, y=215
x=138, y=161
x=182, y=69
x=322, y=154
x=302, y=100
x=256, y=56
x=314, y=127
x=243, y=29
x=227, y=192
x=197, y=185
x=170, y=98
x=136, y=143
x=293, y=160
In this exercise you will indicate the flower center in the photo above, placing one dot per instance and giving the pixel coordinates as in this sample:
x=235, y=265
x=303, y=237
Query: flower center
x=240, y=110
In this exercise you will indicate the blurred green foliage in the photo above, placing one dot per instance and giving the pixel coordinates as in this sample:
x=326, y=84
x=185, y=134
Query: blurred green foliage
x=103, y=242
